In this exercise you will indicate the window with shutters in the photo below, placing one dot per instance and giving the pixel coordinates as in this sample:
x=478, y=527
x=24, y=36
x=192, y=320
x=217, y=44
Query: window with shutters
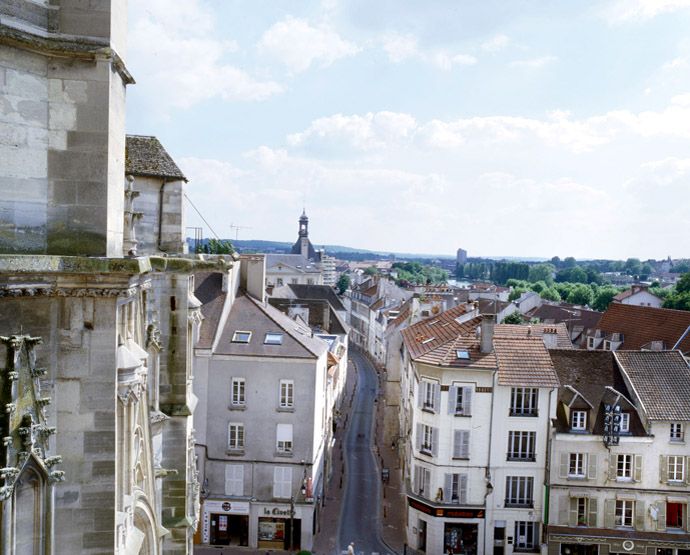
x=429, y=395
x=580, y=511
x=461, y=444
x=462, y=401
x=422, y=481
x=676, y=433
x=675, y=515
x=234, y=479
x=521, y=446
x=237, y=392
x=624, y=466
x=526, y=536
x=282, y=482
x=625, y=509
x=519, y=491
x=284, y=439
x=676, y=468
x=577, y=465
x=456, y=485
x=235, y=436
x=427, y=440
x=287, y=394
x=523, y=401
x=578, y=420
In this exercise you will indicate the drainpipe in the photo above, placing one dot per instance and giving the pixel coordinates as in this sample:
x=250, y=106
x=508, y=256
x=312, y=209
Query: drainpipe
x=488, y=466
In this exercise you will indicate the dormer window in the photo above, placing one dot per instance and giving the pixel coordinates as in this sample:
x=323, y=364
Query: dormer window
x=273, y=339
x=578, y=420
x=241, y=337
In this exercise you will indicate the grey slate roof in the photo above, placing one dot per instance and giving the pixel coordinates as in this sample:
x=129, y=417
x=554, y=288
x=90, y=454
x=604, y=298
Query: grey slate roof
x=302, y=291
x=209, y=290
x=293, y=260
x=661, y=380
x=146, y=157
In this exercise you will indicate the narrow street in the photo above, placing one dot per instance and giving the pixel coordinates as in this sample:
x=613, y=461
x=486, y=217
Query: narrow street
x=360, y=519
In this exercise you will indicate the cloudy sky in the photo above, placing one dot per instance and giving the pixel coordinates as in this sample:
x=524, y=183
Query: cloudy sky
x=520, y=128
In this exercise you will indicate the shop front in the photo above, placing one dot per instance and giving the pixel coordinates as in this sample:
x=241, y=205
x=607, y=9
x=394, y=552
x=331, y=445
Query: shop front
x=604, y=541
x=225, y=522
x=279, y=528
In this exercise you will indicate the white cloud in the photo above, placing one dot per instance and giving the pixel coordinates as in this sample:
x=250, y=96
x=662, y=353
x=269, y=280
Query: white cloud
x=534, y=63
x=178, y=62
x=495, y=43
x=400, y=48
x=623, y=11
x=299, y=45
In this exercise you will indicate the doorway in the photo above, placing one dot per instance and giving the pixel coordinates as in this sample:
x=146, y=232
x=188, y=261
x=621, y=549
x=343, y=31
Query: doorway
x=229, y=529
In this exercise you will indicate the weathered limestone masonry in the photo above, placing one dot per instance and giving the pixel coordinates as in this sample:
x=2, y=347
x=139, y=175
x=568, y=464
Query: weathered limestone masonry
x=62, y=113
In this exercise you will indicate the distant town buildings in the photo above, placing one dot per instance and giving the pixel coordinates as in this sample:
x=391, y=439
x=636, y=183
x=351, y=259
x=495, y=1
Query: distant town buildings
x=639, y=295
x=461, y=257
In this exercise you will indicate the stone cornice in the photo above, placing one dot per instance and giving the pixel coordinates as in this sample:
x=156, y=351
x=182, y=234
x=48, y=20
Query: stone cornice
x=61, y=45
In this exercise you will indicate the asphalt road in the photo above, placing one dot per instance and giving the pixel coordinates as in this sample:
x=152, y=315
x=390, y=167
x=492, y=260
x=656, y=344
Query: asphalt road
x=360, y=519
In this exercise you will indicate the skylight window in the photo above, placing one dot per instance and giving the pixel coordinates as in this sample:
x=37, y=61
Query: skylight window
x=462, y=354
x=241, y=337
x=273, y=339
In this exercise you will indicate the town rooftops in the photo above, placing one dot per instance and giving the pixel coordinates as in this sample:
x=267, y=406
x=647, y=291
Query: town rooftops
x=296, y=261
x=641, y=325
x=572, y=315
x=661, y=382
x=636, y=288
x=209, y=291
x=302, y=291
x=523, y=360
x=146, y=157
x=554, y=336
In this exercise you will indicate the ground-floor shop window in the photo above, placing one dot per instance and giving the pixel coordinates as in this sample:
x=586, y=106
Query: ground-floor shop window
x=576, y=549
x=460, y=538
x=275, y=533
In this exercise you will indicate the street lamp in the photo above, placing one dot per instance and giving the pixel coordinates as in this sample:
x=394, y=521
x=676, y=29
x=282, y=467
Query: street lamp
x=292, y=523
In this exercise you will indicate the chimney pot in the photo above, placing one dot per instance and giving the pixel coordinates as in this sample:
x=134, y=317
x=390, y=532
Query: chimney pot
x=487, y=333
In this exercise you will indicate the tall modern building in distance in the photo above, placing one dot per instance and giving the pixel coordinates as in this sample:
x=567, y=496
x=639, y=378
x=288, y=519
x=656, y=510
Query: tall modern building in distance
x=461, y=256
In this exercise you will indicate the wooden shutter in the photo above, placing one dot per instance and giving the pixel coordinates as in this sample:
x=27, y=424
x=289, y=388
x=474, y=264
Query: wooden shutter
x=418, y=482
x=234, y=479
x=452, y=396
x=462, y=488
x=420, y=394
x=572, y=520
x=437, y=397
x=592, y=512
x=639, y=515
x=282, y=482
x=661, y=515
x=563, y=467
x=687, y=472
x=420, y=435
x=613, y=459
x=434, y=442
x=609, y=513
x=563, y=509
x=467, y=401
x=637, y=474
x=663, y=469
x=461, y=444
x=592, y=466
x=448, y=488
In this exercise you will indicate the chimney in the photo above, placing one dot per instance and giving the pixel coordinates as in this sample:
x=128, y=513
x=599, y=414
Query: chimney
x=487, y=333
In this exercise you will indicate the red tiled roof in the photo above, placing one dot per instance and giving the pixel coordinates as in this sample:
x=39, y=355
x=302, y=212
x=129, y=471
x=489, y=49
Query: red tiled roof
x=524, y=361
x=446, y=354
x=514, y=331
x=641, y=325
x=428, y=334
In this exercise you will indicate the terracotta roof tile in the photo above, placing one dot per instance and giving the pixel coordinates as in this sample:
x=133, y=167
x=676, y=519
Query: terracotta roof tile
x=661, y=380
x=524, y=361
x=641, y=325
x=428, y=334
x=514, y=331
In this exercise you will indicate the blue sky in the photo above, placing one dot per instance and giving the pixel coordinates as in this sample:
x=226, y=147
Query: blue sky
x=523, y=128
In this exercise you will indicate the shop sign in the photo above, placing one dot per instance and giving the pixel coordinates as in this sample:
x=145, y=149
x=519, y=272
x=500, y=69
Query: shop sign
x=446, y=512
x=276, y=511
x=230, y=507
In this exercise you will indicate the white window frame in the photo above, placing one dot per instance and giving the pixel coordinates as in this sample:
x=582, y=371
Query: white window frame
x=238, y=388
x=459, y=395
x=676, y=432
x=284, y=438
x=526, y=536
x=427, y=446
x=624, y=466
x=236, y=436
x=524, y=401
x=239, y=336
x=423, y=481
x=521, y=446
x=624, y=513
x=273, y=338
x=675, y=465
x=577, y=465
x=578, y=420
x=429, y=395
x=286, y=394
x=519, y=491
x=581, y=511
x=625, y=423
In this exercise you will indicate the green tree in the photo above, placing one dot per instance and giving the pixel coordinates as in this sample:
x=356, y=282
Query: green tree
x=569, y=262
x=581, y=294
x=574, y=274
x=683, y=285
x=541, y=272
x=550, y=294
x=516, y=293
x=633, y=266
x=513, y=318
x=556, y=261
x=538, y=287
x=604, y=296
x=343, y=283
x=216, y=246
x=371, y=271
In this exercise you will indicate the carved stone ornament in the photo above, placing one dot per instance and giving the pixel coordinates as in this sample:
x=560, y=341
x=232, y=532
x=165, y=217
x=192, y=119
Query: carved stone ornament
x=25, y=432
